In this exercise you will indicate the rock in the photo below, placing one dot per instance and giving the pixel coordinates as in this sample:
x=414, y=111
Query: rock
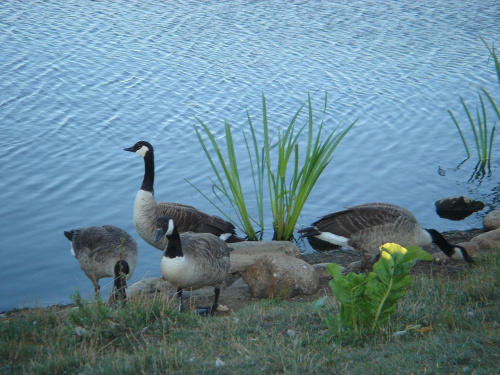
x=320, y=269
x=457, y=208
x=281, y=276
x=471, y=248
x=239, y=291
x=492, y=220
x=488, y=241
x=244, y=254
x=149, y=285
x=80, y=331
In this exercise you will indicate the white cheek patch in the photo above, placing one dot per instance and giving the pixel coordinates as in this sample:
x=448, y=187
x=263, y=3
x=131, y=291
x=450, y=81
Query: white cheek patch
x=73, y=251
x=170, y=229
x=142, y=151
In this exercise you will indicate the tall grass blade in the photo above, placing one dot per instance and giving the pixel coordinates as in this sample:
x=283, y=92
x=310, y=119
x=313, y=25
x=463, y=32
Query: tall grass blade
x=290, y=175
x=482, y=137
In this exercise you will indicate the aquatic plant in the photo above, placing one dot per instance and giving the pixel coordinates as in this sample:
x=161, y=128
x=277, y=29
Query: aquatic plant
x=289, y=184
x=228, y=182
x=289, y=188
x=483, y=137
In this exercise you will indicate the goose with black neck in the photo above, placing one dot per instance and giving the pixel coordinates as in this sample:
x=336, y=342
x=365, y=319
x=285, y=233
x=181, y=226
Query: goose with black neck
x=193, y=260
x=187, y=218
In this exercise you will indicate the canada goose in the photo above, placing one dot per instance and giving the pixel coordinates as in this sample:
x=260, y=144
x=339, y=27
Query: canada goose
x=105, y=251
x=187, y=218
x=193, y=260
x=368, y=226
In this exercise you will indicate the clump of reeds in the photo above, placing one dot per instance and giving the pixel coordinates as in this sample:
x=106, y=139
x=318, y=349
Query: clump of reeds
x=478, y=121
x=290, y=171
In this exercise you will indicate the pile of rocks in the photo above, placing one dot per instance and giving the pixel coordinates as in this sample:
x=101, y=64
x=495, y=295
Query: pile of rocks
x=275, y=270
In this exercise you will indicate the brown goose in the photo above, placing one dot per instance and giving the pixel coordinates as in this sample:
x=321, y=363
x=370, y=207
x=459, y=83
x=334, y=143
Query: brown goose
x=187, y=218
x=193, y=260
x=105, y=251
x=368, y=226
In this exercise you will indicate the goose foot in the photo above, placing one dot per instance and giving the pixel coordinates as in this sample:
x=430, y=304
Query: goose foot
x=206, y=311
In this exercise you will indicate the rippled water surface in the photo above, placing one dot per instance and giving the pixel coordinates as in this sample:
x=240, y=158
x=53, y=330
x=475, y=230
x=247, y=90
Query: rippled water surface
x=80, y=81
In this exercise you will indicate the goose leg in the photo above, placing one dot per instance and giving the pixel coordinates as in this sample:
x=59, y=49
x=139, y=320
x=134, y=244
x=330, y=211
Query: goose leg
x=179, y=298
x=216, y=301
x=97, y=288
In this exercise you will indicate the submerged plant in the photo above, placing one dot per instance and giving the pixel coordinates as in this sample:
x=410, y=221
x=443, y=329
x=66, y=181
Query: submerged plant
x=478, y=121
x=289, y=184
x=367, y=301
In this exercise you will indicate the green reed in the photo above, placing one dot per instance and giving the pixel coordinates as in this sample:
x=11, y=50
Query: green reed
x=289, y=183
x=278, y=163
x=478, y=121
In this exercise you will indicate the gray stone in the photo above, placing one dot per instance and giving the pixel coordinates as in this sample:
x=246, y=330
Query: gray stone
x=457, y=208
x=488, y=241
x=320, y=269
x=244, y=254
x=281, y=276
x=492, y=220
x=149, y=285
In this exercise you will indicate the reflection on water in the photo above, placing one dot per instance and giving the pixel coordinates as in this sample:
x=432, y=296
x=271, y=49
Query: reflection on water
x=81, y=82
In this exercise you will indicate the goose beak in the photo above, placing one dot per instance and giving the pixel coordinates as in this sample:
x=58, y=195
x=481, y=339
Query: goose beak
x=131, y=149
x=158, y=235
x=69, y=235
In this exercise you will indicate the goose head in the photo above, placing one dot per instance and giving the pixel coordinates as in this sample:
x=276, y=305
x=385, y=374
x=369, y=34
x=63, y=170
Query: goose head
x=164, y=227
x=69, y=234
x=142, y=148
x=460, y=251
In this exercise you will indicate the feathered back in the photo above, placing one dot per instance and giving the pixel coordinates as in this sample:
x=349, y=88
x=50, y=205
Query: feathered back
x=373, y=224
x=203, y=246
x=100, y=241
x=188, y=218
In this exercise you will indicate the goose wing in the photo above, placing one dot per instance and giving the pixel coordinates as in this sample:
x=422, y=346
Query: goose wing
x=366, y=217
x=190, y=219
x=204, y=245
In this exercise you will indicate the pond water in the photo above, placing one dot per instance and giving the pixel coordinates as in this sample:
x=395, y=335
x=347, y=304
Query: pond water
x=80, y=81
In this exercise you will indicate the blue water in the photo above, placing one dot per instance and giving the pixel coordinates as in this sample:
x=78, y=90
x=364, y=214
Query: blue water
x=80, y=81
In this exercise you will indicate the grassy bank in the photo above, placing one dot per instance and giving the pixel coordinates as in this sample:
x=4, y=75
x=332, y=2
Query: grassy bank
x=452, y=326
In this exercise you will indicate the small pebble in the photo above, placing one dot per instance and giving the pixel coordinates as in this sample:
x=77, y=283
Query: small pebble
x=219, y=363
x=399, y=333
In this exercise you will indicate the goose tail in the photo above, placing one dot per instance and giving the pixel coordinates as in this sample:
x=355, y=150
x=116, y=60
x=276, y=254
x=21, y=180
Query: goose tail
x=231, y=238
x=309, y=232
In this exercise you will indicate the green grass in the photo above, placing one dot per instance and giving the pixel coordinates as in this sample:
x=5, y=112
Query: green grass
x=460, y=315
x=290, y=171
x=483, y=135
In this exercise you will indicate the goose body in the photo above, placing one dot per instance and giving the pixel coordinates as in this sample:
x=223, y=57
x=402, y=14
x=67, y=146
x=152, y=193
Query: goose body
x=368, y=226
x=104, y=251
x=192, y=260
x=187, y=218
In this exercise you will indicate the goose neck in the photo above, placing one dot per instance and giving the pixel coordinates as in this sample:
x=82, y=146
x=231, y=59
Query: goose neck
x=149, y=172
x=174, y=247
x=440, y=241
